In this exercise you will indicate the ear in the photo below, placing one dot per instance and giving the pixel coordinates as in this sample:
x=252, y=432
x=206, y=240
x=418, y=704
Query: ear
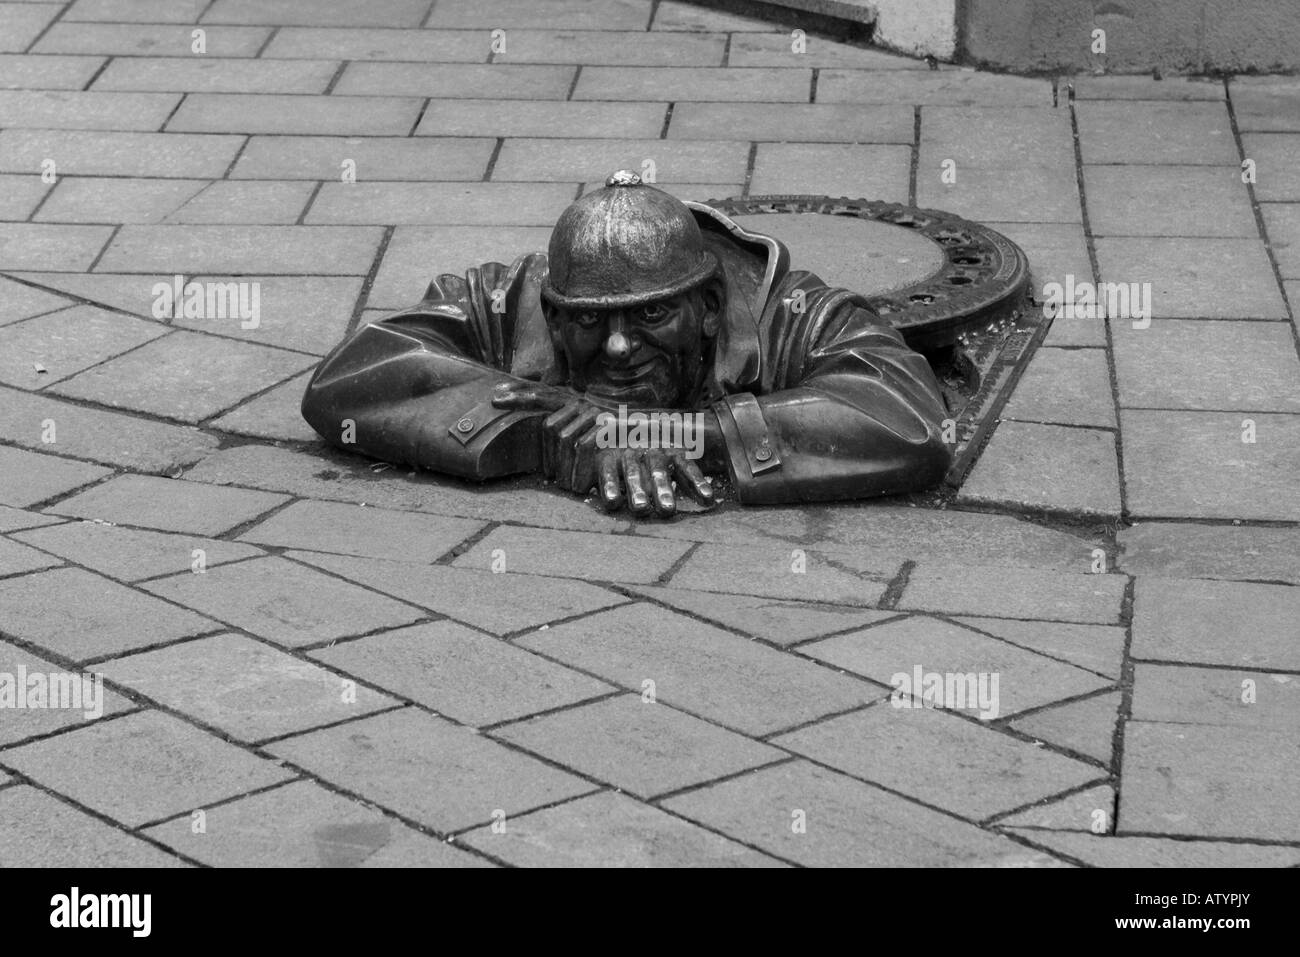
x=713, y=296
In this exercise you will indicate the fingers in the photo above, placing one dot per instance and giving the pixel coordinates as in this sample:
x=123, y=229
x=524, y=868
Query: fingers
x=610, y=485
x=638, y=499
x=575, y=445
x=691, y=478
x=529, y=396
x=661, y=485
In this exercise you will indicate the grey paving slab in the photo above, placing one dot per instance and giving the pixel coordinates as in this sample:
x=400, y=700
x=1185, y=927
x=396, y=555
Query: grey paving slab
x=304, y=250
x=354, y=530
x=778, y=49
x=1036, y=194
x=14, y=519
x=274, y=113
x=372, y=158
x=96, y=702
x=284, y=602
x=131, y=11
x=462, y=674
x=1147, y=88
x=572, y=14
x=79, y=615
x=77, y=110
x=143, y=767
x=845, y=823
x=391, y=760
x=275, y=415
x=389, y=13
x=305, y=825
x=833, y=169
x=1144, y=132
x=1014, y=593
x=129, y=554
x=416, y=255
x=1239, y=624
x=1266, y=102
x=53, y=347
x=1216, y=696
x=587, y=555
x=613, y=48
x=214, y=74
x=686, y=18
x=380, y=43
x=1078, y=812
x=1210, y=781
x=22, y=194
x=149, y=39
x=18, y=559
x=1282, y=220
x=116, y=200
x=306, y=313
x=42, y=831
x=1160, y=852
x=1065, y=387
x=507, y=81
x=730, y=84
x=1276, y=177
x=792, y=122
x=544, y=118
x=583, y=161
x=19, y=301
x=244, y=688
x=186, y=376
x=1024, y=679
x=50, y=246
x=1098, y=648
x=457, y=204
x=1204, y=365
x=1181, y=550
x=610, y=830
x=29, y=477
x=1085, y=727
x=1195, y=465
x=23, y=72
x=20, y=24
x=700, y=669
x=984, y=772
x=106, y=153
x=943, y=88
x=995, y=137
x=125, y=293
x=1152, y=201
x=643, y=749
x=777, y=571
x=1052, y=468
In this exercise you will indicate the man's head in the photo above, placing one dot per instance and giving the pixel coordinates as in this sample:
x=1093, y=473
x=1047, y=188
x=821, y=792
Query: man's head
x=633, y=299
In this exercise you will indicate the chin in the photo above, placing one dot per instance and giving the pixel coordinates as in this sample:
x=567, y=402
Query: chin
x=641, y=394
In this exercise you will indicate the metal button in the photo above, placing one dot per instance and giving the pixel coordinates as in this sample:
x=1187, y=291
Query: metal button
x=465, y=425
x=764, y=453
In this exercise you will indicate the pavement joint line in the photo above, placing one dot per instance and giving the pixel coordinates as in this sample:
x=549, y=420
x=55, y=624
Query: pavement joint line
x=492, y=161
x=1038, y=709
x=840, y=632
x=1125, y=705
x=952, y=619
x=511, y=637
x=86, y=663
x=311, y=201
x=188, y=814
x=1019, y=837
x=103, y=249
x=915, y=161
x=150, y=579
x=767, y=737
x=897, y=585
x=46, y=29
x=230, y=168
x=328, y=643
x=812, y=85
x=722, y=779
x=577, y=74
x=52, y=500
x=419, y=116
x=668, y=118
x=232, y=534
x=1059, y=797
x=369, y=281
x=163, y=128
x=71, y=726
x=466, y=544
x=270, y=38
x=209, y=421
x=1212, y=666
x=334, y=79
x=397, y=705
x=599, y=698
x=667, y=576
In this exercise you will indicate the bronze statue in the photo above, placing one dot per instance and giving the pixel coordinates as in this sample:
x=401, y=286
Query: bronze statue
x=655, y=341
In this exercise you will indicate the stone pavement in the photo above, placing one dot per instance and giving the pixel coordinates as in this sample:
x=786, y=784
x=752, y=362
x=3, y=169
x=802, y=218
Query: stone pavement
x=311, y=659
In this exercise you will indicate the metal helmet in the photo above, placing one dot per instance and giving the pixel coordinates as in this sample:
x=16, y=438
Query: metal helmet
x=625, y=245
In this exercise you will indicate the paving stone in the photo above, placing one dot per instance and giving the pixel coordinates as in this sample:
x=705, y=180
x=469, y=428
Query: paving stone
x=1283, y=223
x=307, y=250
x=351, y=530
x=612, y=48
x=377, y=158
x=1152, y=201
x=304, y=825
x=107, y=437
x=574, y=14
x=1098, y=648
x=1174, y=550
x=501, y=604
x=1276, y=176
x=774, y=49
x=1211, y=622
x=49, y=348
x=990, y=590
x=125, y=293
x=1195, y=465
x=50, y=246
x=20, y=24
x=1250, y=366
x=42, y=831
x=77, y=110
x=985, y=137
x=542, y=118
x=391, y=759
x=21, y=195
x=353, y=479
x=875, y=172
x=462, y=674
x=1030, y=193
x=1025, y=680
x=143, y=767
x=244, y=688
x=700, y=669
x=23, y=723
x=284, y=602
x=22, y=72
x=1085, y=727
x=306, y=313
x=456, y=81
x=115, y=200
x=19, y=301
x=188, y=377
x=103, y=153
x=27, y=477
x=1158, y=852
x=1136, y=132
x=730, y=84
x=1210, y=781
x=13, y=519
x=1065, y=386
x=1078, y=812
x=585, y=555
x=848, y=823
x=130, y=11
x=415, y=256
x=1052, y=468
x=254, y=203
x=147, y=39
x=459, y=204
x=1266, y=102
x=337, y=13
x=360, y=43
x=773, y=571
x=786, y=122
x=1215, y=696
x=272, y=113
x=984, y=772
x=80, y=616
x=686, y=17
x=578, y=160
x=780, y=622
x=274, y=415
x=643, y=749
x=610, y=830
x=218, y=75
x=129, y=554
x=1147, y=88
x=18, y=559
x=951, y=88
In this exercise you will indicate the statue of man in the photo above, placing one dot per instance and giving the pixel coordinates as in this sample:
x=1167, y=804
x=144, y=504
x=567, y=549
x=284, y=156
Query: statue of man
x=643, y=306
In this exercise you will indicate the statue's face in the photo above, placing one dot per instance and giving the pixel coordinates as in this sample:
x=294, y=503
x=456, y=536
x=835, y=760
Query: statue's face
x=648, y=356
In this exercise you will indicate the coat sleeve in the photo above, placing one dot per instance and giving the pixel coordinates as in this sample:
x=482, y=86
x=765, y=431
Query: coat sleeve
x=846, y=409
x=416, y=387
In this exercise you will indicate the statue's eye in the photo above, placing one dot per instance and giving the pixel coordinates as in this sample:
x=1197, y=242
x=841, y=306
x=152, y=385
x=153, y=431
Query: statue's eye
x=654, y=312
x=588, y=320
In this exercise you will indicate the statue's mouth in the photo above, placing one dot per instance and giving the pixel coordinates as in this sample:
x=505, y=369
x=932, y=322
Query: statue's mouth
x=627, y=375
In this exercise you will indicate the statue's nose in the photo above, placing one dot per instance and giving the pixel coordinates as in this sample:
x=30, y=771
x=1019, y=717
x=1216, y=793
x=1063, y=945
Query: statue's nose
x=617, y=345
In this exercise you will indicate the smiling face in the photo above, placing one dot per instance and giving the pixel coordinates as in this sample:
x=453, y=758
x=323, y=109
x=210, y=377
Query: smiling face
x=648, y=356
